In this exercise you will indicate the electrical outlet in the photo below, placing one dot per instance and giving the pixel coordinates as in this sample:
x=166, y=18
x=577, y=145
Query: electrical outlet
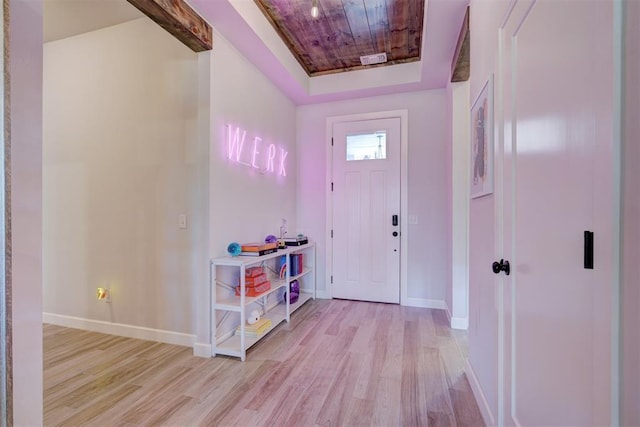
x=103, y=294
x=413, y=219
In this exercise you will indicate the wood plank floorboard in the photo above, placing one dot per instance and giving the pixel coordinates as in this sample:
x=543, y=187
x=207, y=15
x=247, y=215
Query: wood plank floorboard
x=337, y=363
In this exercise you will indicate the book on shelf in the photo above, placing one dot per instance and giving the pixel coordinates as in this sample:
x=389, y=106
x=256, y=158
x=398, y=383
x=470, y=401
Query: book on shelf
x=296, y=268
x=300, y=262
x=295, y=238
x=296, y=264
x=296, y=241
x=257, y=247
x=252, y=334
x=259, y=253
x=258, y=328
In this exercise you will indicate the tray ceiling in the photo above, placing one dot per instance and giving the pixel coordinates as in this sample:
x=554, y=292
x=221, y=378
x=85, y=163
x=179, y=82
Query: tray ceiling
x=345, y=30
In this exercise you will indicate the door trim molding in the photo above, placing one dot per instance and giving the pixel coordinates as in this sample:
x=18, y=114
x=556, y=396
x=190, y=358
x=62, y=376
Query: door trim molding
x=403, y=115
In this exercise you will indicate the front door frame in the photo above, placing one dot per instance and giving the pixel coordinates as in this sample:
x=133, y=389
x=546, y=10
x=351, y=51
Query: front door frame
x=403, y=115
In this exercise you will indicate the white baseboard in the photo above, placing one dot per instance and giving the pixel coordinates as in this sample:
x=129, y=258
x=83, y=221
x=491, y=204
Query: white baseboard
x=460, y=323
x=323, y=295
x=139, y=332
x=487, y=416
x=425, y=303
x=202, y=349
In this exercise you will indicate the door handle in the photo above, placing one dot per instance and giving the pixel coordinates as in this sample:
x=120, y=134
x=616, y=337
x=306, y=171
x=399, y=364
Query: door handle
x=394, y=220
x=395, y=234
x=501, y=266
x=588, y=250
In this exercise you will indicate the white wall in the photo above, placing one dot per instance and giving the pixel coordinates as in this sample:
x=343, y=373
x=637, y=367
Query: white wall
x=248, y=203
x=245, y=204
x=484, y=357
x=631, y=223
x=121, y=162
x=26, y=209
x=458, y=294
x=428, y=190
x=485, y=19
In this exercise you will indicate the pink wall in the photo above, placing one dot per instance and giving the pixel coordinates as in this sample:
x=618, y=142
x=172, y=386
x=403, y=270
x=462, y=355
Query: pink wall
x=26, y=210
x=631, y=223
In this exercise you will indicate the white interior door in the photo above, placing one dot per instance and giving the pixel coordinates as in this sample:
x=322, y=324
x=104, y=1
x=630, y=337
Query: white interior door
x=366, y=210
x=557, y=100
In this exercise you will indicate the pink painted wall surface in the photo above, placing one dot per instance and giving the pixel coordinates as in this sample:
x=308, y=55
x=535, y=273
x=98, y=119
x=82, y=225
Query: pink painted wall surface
x=631, y=223
x=26, y=208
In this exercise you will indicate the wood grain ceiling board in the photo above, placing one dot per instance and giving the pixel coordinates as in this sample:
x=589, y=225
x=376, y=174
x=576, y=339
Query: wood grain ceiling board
x=346, y=30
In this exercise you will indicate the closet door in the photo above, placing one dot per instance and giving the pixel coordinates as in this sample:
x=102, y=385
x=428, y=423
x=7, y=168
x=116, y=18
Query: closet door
x=557, y=71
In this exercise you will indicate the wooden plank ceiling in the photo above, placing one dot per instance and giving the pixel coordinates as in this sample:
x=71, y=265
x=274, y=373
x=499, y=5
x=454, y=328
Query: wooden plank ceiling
x=347, y=29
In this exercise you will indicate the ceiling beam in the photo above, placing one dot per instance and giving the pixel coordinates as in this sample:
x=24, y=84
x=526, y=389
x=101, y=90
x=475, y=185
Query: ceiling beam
x=461, y=64
x=179, y=19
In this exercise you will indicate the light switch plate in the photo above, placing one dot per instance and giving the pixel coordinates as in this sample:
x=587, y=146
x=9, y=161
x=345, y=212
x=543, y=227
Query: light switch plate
x=182, y=221
x=413, y=219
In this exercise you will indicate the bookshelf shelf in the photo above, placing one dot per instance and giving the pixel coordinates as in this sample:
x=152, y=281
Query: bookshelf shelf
x=232, y=302
x=229, y=310
x=232, y=345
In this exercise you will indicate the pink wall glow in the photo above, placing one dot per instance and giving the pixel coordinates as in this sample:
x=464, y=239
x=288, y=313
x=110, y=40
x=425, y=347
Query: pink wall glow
x=256, y=153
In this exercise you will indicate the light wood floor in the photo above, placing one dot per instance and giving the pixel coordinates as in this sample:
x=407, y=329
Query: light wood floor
x=338, y=363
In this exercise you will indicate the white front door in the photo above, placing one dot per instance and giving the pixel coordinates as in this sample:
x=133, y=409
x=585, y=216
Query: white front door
x=558, y=159
x=366, y=210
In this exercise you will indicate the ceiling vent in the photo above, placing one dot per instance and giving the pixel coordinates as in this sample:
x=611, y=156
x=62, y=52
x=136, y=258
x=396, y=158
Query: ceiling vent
x=377, y=58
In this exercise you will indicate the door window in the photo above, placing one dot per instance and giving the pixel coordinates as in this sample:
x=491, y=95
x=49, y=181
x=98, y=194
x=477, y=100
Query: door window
x=367, y=146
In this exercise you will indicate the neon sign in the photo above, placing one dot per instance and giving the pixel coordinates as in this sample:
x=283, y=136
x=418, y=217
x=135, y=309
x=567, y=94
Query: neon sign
x=258, y=156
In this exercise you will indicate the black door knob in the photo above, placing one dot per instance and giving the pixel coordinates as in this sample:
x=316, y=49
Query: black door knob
x=395, y=234
x=501, y=266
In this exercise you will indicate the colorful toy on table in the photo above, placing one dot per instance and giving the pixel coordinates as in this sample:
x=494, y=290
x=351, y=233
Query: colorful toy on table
x=234, y=248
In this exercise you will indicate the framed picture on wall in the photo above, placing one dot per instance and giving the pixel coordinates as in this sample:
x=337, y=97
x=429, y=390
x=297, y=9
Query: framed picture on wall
x=482, y=142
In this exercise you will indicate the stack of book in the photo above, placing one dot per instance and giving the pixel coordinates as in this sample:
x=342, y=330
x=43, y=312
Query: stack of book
x=258, y=249
x=299, y=240
x=296, y=264
x=255, y=282
x=256, y=330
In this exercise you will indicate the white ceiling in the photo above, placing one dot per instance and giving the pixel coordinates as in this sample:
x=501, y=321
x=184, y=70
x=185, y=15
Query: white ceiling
x=66, y=18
